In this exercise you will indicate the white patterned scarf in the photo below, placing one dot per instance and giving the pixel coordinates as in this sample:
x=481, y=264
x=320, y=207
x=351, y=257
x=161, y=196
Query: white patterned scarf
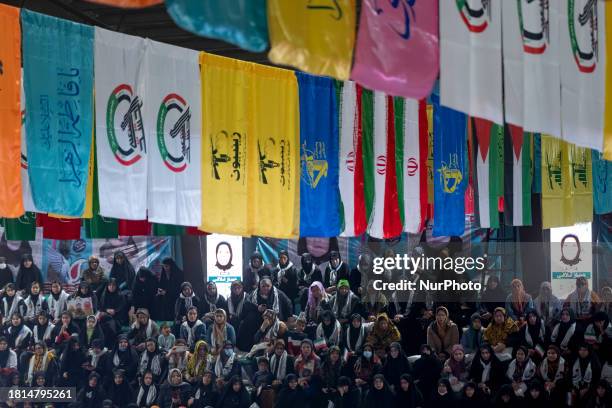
x=568, y=335
x=278, y=366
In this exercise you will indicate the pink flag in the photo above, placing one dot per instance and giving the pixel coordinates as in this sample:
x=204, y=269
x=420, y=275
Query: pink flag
x=397, y=47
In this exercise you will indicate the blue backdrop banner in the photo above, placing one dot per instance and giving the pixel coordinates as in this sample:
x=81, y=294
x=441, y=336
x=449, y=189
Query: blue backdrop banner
x=451, y=170
x=241, y=22
x=319, y=140
x=58, y=81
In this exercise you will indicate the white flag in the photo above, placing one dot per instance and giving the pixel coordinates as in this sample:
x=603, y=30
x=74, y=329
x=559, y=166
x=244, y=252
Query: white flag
x=532, y=80
x=471, y=57
x=28, y=202
x=583, y=63
x=415, y=181
x=120, y=135
x=173, y=126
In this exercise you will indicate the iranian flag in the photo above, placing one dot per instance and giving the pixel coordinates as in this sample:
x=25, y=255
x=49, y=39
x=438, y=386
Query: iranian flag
x=387, y=153
x=518, y=181
x=414, y=170
x=351, y=159
x=489, y=163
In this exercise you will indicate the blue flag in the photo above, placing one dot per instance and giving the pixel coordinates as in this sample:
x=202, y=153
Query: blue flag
x=450, y=170
x=58, y=80
x=319, y=140
x=602, y=183
x=240, y=22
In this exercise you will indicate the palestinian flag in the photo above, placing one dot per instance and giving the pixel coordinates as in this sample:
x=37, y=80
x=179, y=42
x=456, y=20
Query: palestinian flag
x=519, y=176
x=351, y=158
x=488, y=138
x=381, y=116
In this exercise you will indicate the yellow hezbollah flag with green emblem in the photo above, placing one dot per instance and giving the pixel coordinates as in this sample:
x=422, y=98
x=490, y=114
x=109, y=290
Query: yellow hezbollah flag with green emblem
x=275, y=160
x=567, y=183
x=226, y=139
x=317, y=37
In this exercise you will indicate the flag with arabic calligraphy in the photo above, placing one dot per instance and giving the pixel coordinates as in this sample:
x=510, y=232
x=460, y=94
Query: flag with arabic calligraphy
x=58, y=80
x=173, y=128
x=243, y=22
x=351, y=159
x=397, y=47
x=583, y=72
x=315, y=36
x=319, y=194
x=227, y=138
x=471, y=57
x=414, y=166
x=274, y=178
x=602, y=183
x=532, y=76
x=11, y=204
x=121, y=146
x=567, y=184
x=450, y=170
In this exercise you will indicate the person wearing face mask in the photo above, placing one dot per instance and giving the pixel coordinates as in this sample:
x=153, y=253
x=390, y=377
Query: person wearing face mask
x=226, y=365
x=365, y=366
x=28, y=273
x=335, y=270
x=285, y=276
x=6, y=275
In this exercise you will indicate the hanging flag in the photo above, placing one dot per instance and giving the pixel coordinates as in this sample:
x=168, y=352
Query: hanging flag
x=28, y=201
x=60, y=228
x=602, y=183
x=127, y=3
x=58, y=82
x=532, y=78
x=11, y=204
x=583, y=69
x=226, y=89
x=430, y=161
x=173, y=128
x=451, y=171
x=415, y=165
x=319, y=194
x=367, y=150
x=607, y=152
x=274, y=165
x=121, y=144
x=243, y=22
x=397, y=47
x=20, y=229
x=313, y=36
x=351, y=159
x=470, y=58
x=518, y=176
x=167, y=230
x=489, y=165
x=567, y=191
x=129, y=228
x=385, y=219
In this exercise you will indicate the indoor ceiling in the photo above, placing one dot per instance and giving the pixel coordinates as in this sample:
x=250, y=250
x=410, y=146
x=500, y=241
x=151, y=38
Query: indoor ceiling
x=152, y=22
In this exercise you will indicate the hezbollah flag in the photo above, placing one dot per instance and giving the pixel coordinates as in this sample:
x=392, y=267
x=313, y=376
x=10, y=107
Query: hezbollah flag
x=313, y=36
x=351, y=159
x=58, y=79
x=319, y=195
x=518, y=176
x=567, y=190
x=11, y=204
x=602, y=183
x=226, y=113
x=415, y=165
x=451, y=170
x=384, y=114
x=173, y=128
x=489, y=164
x=274, y=163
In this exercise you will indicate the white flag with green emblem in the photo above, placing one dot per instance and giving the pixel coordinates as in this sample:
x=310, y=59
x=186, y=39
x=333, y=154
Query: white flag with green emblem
x=120, y=136
x=173, y=126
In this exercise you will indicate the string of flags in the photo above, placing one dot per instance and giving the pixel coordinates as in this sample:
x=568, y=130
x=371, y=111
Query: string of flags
x=129, y=136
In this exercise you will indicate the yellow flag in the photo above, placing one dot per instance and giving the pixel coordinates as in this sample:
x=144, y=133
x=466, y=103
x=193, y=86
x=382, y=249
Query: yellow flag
x=607, y=153
x=275, y=161
x=226, y=139
x=567, y=183
x=313, y=36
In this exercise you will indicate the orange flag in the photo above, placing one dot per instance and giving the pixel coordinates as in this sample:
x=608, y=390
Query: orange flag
x=128, y=3
x=11, y=204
